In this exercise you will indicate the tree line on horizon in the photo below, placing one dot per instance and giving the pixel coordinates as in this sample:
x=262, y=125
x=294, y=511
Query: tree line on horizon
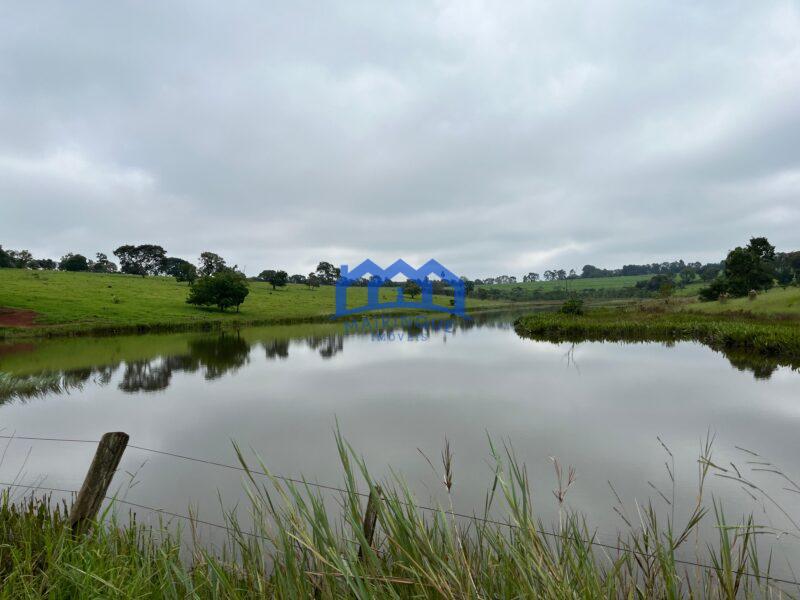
x=755, y=267
x=705, y=271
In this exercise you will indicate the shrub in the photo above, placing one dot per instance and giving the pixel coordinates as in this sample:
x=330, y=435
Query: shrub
x=573, y=306
x=714, y=290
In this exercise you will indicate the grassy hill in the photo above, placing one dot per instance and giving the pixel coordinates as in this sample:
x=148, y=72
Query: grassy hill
x=75, y=302
x=594, y=283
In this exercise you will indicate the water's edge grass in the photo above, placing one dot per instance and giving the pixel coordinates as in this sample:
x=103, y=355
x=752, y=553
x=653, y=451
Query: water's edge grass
x=212, y=324
x=299, y=547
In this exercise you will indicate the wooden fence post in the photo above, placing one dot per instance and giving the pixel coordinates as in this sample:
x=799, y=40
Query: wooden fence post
x=370, y=518
x=98, y=479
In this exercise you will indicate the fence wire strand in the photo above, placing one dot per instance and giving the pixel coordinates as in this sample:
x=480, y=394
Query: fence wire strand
x=193, y=519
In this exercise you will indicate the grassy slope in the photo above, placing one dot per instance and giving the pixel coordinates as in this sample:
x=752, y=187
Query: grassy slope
x=595, y=283
x=87, y=301
x=777, y=301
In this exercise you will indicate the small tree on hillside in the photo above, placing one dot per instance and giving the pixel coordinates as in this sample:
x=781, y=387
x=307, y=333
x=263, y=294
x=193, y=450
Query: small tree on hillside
x=140, y=260
x=223, y=290
x=182, y=270
x=210, y=264
x=327, y=274
x=103, y=265
x=73, y=262
x=21, y=259
x=412, y=289
x=275, y=278
x=751, y=267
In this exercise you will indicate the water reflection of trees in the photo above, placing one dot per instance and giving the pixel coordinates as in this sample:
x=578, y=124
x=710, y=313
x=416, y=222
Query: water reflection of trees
x=218, y=355
x=213, y=356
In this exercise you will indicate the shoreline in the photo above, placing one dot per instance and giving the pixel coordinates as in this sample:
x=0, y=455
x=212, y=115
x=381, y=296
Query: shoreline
x=775, y=338
x=217, y=324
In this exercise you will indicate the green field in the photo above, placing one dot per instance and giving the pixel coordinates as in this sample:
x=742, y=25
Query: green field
x=93, y=302
x=590, y=283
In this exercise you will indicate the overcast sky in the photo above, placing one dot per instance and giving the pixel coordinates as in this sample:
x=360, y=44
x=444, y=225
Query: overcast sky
x=496, y=137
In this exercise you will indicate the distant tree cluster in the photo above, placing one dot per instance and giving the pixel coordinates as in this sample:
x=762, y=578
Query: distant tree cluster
x=23, y=259
x=499, y=280
x=679, y=268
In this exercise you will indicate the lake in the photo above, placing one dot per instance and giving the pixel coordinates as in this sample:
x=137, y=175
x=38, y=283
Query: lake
x=280, y=391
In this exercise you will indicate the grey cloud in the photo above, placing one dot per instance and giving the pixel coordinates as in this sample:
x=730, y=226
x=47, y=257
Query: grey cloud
x=497, y=138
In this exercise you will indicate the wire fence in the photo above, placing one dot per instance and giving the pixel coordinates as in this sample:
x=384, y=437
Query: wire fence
x=303, y=482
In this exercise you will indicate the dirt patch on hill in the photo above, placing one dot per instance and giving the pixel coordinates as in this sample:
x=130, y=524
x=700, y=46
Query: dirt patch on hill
x=16, y=317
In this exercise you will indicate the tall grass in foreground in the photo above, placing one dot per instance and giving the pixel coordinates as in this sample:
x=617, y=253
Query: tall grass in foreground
x=299, y=549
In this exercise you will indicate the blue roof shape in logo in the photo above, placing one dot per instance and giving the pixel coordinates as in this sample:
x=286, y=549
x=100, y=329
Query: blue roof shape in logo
x=400, y=267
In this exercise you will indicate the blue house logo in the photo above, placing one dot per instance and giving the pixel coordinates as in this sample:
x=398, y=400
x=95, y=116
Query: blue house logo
x=379, y=276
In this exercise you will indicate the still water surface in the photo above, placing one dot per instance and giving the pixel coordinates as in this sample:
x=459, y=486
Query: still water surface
x=280, y=391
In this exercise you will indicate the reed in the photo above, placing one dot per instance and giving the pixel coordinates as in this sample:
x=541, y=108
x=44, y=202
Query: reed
x=299, y=548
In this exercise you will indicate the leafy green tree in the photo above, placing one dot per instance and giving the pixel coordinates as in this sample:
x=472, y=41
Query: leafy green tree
x=312, y=281
x=223, y=289
x=655, y=283
x=275, y=278
x=713, y=292
x=45, y=264
x=103, y=265
x=128, y=260
x=211, y=264
x=182, y=270
x=687, y=276
x=665, y=289
x=73, y=262
x=761, y=247
x=297, y=278
x=412, y=289
x=5, y=259
x=532, y=276
x=327, y=274
x=140, y=260
x=784, y=275
x=750, y=268
x=20, y=259
x=709, y=272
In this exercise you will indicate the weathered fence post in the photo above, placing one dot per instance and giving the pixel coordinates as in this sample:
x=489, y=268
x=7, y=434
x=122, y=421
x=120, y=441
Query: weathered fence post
x=98, y=479
x=370, y=518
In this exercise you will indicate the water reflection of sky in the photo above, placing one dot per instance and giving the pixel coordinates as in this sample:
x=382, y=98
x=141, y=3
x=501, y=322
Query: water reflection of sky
x=599, y=407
